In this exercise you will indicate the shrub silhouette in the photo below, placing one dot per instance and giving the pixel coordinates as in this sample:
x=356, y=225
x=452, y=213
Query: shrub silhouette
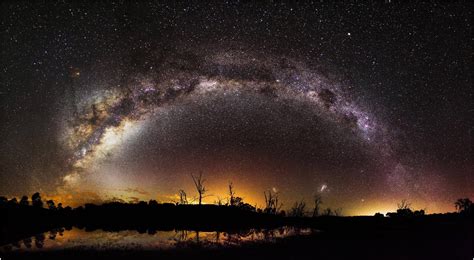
x=378, y=215
x=24, y=201
x=13, y=202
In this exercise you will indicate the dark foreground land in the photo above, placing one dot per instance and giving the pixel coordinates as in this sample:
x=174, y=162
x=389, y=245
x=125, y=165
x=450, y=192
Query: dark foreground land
x=447, y=236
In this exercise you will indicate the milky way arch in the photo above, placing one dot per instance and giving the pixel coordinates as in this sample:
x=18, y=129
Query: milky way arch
x=190, y=75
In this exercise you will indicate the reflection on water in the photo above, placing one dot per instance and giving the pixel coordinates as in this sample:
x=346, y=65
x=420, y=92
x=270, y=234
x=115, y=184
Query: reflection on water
x=102, y=240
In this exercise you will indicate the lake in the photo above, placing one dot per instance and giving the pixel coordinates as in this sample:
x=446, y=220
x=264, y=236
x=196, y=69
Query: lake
x=76, y=238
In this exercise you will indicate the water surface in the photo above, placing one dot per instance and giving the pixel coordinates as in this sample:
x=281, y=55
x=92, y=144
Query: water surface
x=76, y=238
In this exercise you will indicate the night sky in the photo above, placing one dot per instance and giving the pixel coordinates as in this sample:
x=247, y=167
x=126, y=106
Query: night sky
x=364, y=104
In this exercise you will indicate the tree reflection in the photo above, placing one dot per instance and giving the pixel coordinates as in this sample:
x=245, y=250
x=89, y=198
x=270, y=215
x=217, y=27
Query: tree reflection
x=163, y=239
x=197, y=237
x=61, y=231
x=52, y=234
x=181, y=236
x=39, y=240
x=27, y=242
x=16, y=244
x=151, y=231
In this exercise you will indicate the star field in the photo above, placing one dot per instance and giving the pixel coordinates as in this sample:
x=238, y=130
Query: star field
x=366, y=104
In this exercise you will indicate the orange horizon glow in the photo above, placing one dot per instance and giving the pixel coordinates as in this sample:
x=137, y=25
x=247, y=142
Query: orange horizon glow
x=367, y=209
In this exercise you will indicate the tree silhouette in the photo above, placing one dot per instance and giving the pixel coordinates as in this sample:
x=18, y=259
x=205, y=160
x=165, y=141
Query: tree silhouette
x=463, y=205
x=218, y=201
x=231, y=194
x=378, y=215
x=235, y=200
x=36, y=200
x=13, y=201
x=24, y=201
x=404, y=204
x=318, y=200
x=272, y=205
x=404, y=208
x=51, y=205
x=199, y=183
x=420, y=212
x=183, y=200
x=238, y=202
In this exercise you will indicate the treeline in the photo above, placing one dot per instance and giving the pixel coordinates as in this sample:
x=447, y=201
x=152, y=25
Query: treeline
x=404, y=210
x=26, y=217
x=272, y=205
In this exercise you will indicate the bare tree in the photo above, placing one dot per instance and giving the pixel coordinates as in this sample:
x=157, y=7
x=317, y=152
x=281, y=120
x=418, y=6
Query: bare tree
x=404, y=205
x=318, y=200
x=338, y=212
x=272, y=205
x=199, y=183
x=183, y=200
x=231, y=194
